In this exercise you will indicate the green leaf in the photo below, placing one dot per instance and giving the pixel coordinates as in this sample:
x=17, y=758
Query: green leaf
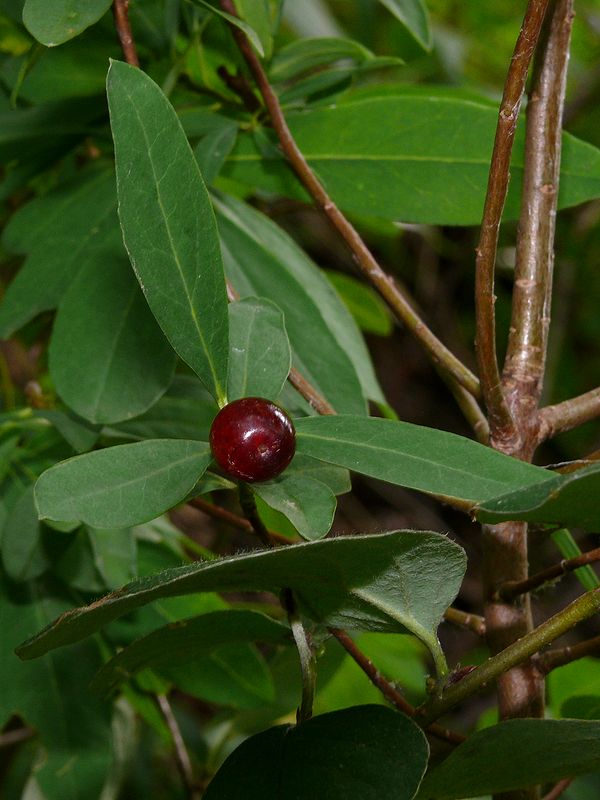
x=73, y=727
x=61, y=20
x=513, y=755
x=387, y=582
x=413, y=15
x=23, y=555
x=214, y=148
x=123, y=485
x=368, y=309
x=76, y=431
x=420, y=458
x=307, y=503
x=238, y=23
x=569, y=499
x=569, y=548
x=168, y=224
x=327, y=347
x=371, y=747
x=403, y=170
x=234, y=675
x=305, y=54
x=188, y=641
x=108, y=358
x=115, y=555
x=257, y=14
x=336, y=478
x=62, y=232
x=185, y=411
x=260, y=357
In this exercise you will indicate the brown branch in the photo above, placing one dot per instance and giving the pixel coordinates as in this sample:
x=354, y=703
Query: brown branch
x=123, y=26
x=385, y=285
x=558, y=789
x=532, y=292
x=239, y=85
x=10, y=738
x=501, y=422
x=565, y=655
x=568, y=415
x=511, y=589
x=388, y=690
x=221, y=514
x=472, y=622
x=182, y=757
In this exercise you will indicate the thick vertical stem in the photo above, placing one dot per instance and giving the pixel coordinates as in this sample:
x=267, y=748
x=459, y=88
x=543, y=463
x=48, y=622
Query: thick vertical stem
x=521, y=689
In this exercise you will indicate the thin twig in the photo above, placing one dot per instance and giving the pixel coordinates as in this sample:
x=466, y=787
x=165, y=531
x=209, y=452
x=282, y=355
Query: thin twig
x=239, y=85
x=528, y=334
x=511, y=589
x=385, y=285
x=182, y=757
x=123, y=26
x=565, y=655
x=216, y=512
x=472, y=622
x=558, y=789
x=388, y=690
x=10, y=738
x=569, y=414
x=516, y=653
x=501, y=422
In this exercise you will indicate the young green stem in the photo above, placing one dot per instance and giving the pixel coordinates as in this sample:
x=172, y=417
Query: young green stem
x=584, y=607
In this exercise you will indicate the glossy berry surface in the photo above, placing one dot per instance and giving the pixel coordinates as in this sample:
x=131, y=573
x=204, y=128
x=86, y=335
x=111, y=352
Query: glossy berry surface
x=252, y=439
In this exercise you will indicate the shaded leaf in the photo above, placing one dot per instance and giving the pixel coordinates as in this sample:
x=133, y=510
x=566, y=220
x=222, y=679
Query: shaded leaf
x=238, y=23
x=213, y=149
x=187, y=641
x=305, y=54
x=307, y=503
x=570, y=499
x=108, y=358
x=185, y=411
x=62, y=232
x=23, y=554
x=413, y=15
x=168, y=224
x=515, y=754
x=79, y=433
x=386, y=582
x=57, y=22
x=73, y=727
x=371, y=747
x=409, y=455
x=260, y=356
x=123, y=485
x=368, y=309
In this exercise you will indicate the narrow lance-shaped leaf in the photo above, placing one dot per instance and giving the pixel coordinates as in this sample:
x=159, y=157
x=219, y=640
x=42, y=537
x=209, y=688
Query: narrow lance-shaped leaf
x=123, y=485
x=168, y=224
x=413, y=15
x=371, y=747
x=414, y=456
x=403, y=170
x=570, y=499
x=108, y=358
x=190, y=640
x=260, y=356
x=387, y=582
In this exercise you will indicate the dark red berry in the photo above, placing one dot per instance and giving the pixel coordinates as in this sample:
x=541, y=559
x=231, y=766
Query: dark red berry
x=252, y=439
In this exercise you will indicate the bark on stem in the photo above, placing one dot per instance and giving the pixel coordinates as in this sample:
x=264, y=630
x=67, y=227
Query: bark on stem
x=500, y=418
x=513, y=589
x=123, y=27
x=568, y=415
